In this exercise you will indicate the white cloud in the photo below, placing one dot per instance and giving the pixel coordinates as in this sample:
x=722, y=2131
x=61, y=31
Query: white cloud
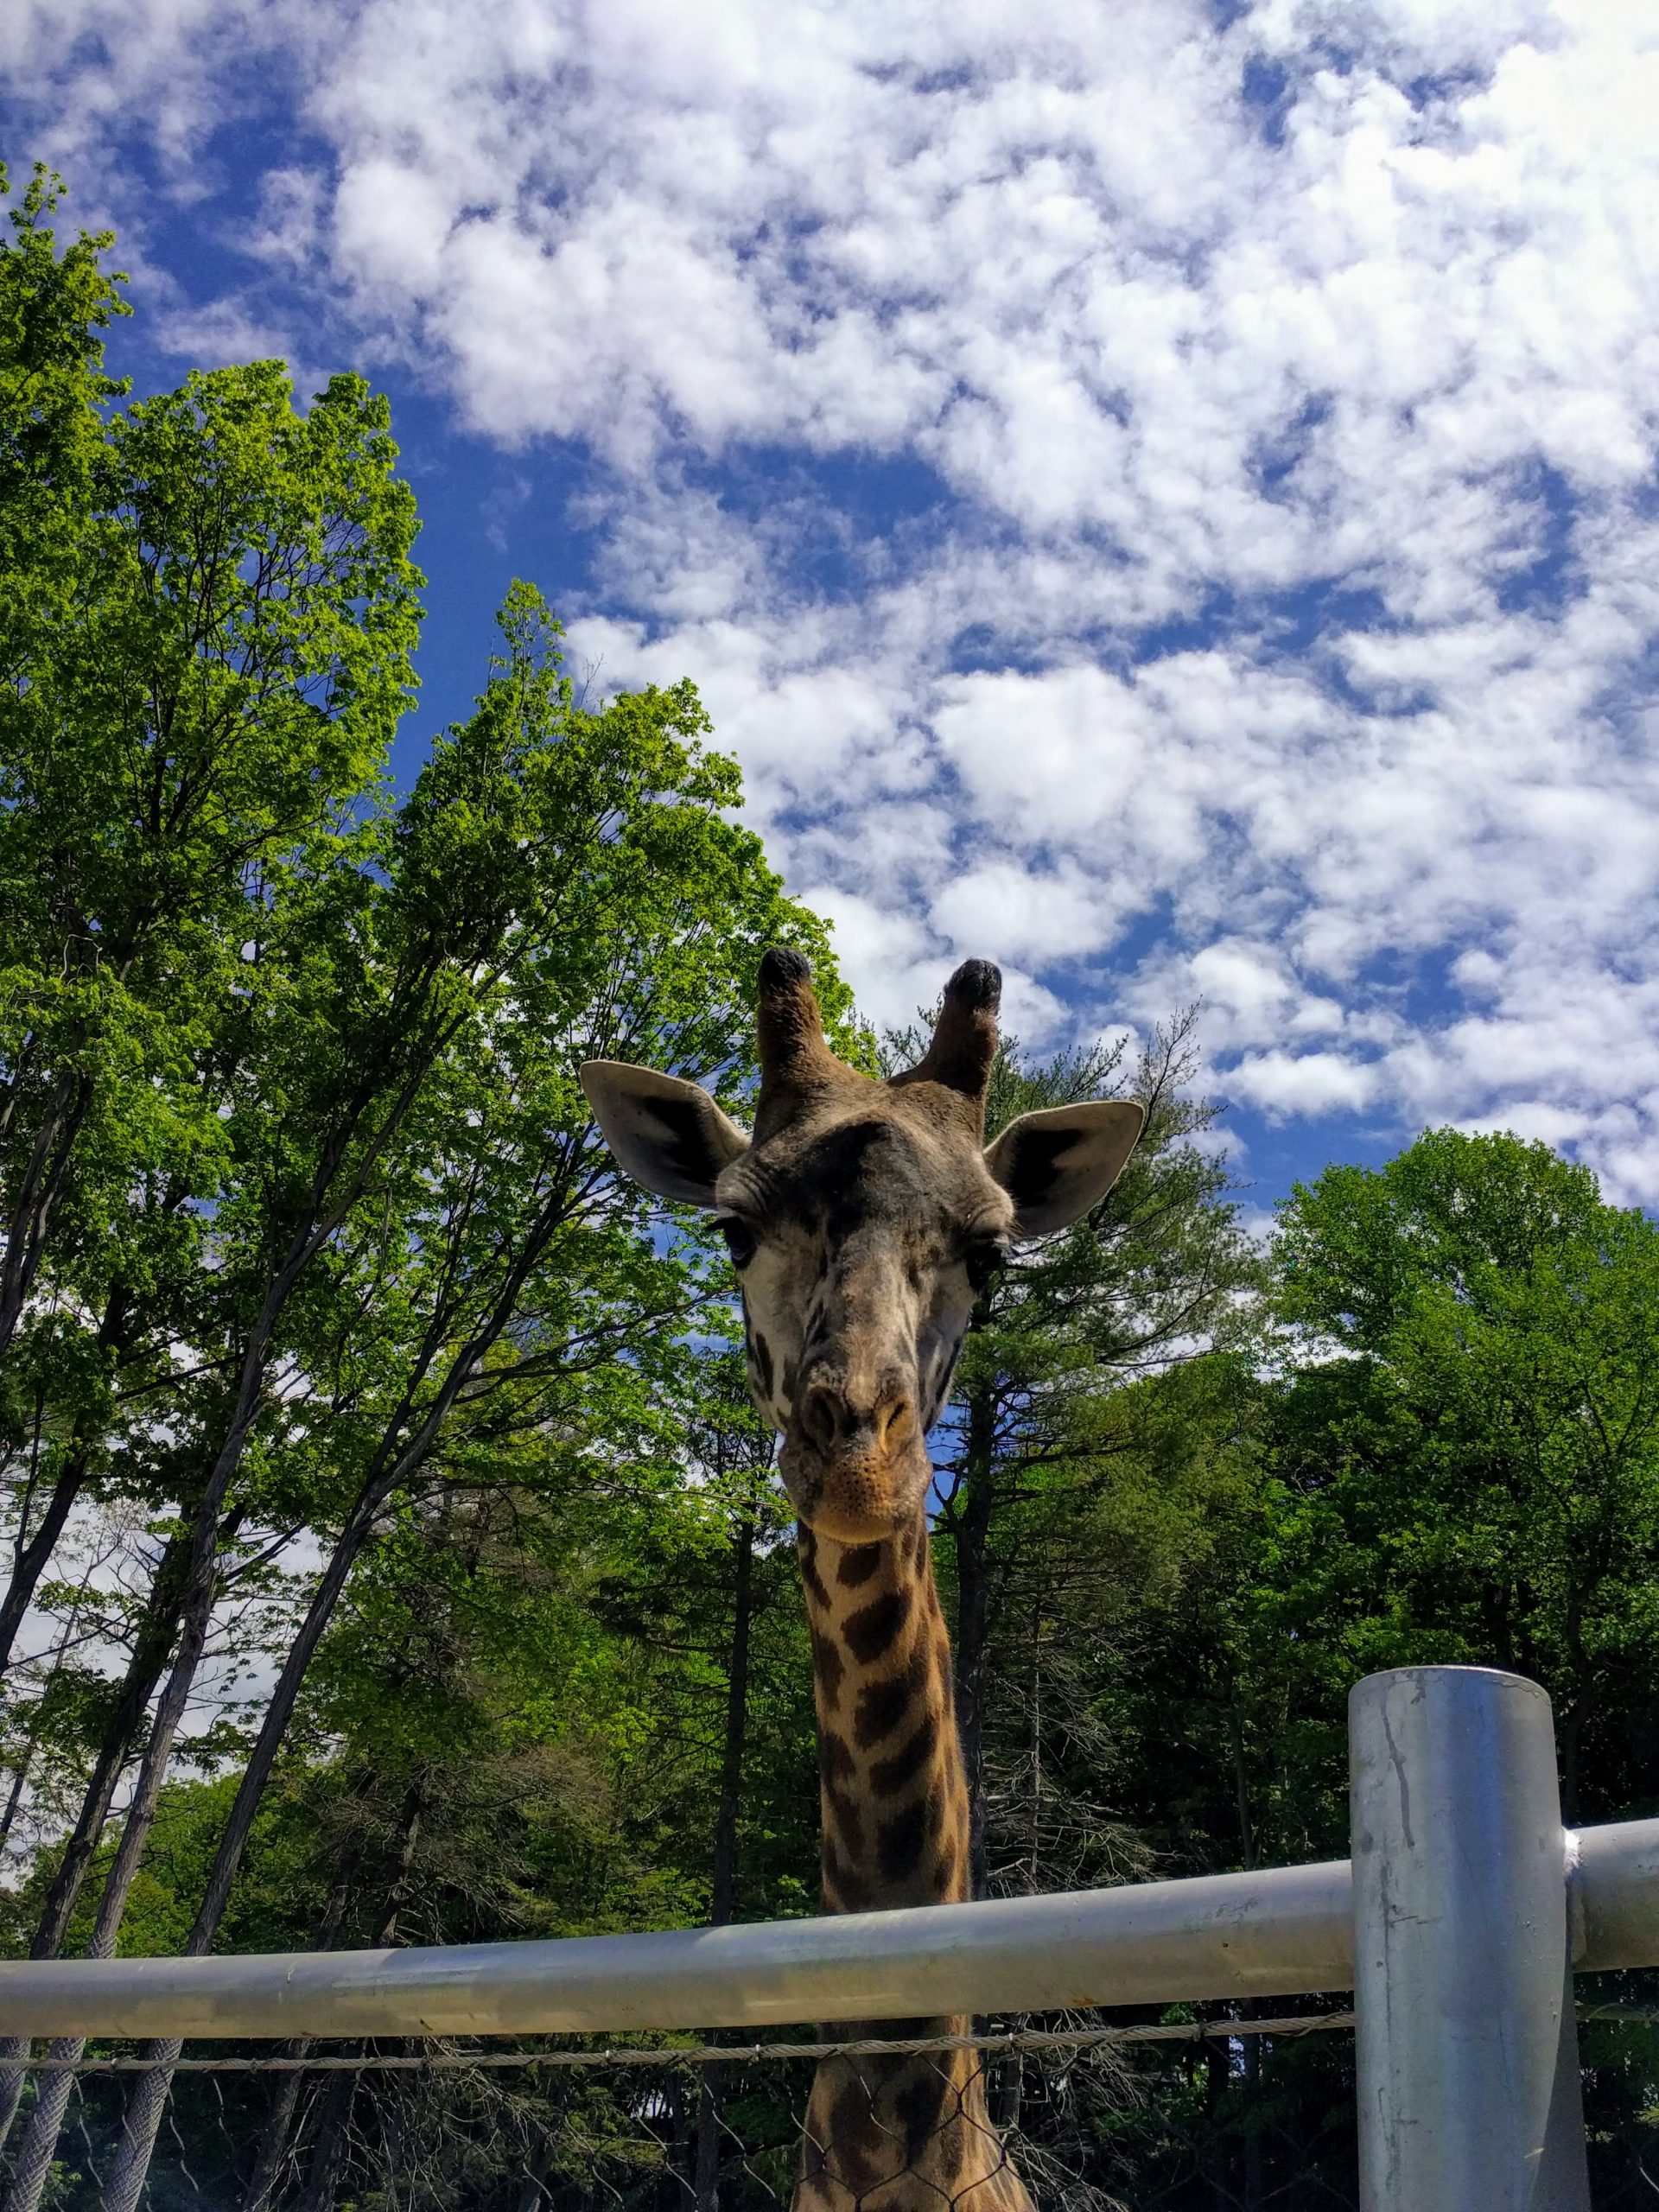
x=1303, y=1082
x=1297, y=467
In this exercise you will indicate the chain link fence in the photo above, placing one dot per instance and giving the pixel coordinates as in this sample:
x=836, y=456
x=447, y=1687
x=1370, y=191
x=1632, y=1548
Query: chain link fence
x=1182, y=2114
x=662, y=2127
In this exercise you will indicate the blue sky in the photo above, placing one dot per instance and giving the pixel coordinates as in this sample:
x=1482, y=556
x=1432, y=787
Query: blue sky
x=1162, y=496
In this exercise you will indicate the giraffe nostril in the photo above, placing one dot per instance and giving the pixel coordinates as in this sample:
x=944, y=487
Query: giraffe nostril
x=892, y=1422
x=820, y=1416
x=830, y=1422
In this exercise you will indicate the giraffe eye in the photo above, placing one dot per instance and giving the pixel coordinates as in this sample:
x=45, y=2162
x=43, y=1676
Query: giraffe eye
x=740, y=1240
x=986, y=1257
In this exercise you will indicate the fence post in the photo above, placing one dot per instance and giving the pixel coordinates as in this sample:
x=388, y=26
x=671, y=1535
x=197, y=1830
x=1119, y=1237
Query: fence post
x=1466, y=2047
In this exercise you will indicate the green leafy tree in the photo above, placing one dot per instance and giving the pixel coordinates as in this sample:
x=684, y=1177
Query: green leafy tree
x=1041, y=1420
x=1445, y=1456
x=224, y=679
x=1471, y=1472
x=54, y=306
x=625, y=917
x=185, y=738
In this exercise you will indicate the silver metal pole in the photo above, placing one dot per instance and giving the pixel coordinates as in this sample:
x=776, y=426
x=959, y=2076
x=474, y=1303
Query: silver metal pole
x=1273, y=1933
x=1466, y=2051
x=1613, y=1895
x=1280, y=1930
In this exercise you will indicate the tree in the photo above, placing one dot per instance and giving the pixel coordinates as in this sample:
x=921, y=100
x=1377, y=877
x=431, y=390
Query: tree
x=186, y=737
x=1040, y=1424
x=1470, y=1443
x=1445, y=1454
x=54, y=307
x=627, y=916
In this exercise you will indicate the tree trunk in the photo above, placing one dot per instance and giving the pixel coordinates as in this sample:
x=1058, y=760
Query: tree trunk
x=143, y=1671
x=706, y=2168
x=31, y=1742
x=41, y=2140
x=279, y=2125
x=390, y=1469
x=124, y=2184
x=1005, y=2076
x=724, y=1896
x=1252, y=2182
x=1254, y=2178
x=148, y=2098
x=1570, y=1732
x=40, y=2143
x=534, y=2194
x=31, y=1557
x=1242, y=1790
x=682, y=2127
x=19, y=1784
x=200, y=1591
x=115, y=1334
x=35, y=1200
x=328, y=2152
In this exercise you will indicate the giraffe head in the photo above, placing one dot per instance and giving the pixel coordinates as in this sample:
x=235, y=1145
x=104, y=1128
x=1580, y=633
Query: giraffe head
x=863, y=1217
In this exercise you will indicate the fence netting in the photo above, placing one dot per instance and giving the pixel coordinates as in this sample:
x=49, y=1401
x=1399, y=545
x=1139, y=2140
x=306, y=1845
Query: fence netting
x=1174, y=2113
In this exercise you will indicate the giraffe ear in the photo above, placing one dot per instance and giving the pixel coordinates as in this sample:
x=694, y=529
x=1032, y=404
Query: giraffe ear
x=665, y=1133
x=1057, y=1164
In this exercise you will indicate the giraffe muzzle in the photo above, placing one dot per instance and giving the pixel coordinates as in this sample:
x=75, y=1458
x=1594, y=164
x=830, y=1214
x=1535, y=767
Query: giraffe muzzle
x=854, y=1472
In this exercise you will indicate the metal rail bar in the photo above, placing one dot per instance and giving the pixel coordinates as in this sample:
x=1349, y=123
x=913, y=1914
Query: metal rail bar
x=1271, y=1934
x=1280, y=1932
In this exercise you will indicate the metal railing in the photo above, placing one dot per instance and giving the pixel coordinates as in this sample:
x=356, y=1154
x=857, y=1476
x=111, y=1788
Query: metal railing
x=1457, y=1923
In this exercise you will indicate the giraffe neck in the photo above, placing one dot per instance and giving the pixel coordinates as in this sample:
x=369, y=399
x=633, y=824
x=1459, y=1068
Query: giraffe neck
x=891, y=2134
x=893, y=1798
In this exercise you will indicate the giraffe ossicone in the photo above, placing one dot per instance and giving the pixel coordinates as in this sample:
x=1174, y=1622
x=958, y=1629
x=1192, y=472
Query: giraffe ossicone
x=863, y=1217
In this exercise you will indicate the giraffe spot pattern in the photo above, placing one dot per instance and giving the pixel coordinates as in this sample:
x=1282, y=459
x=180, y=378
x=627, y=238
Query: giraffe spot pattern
x=888, y=1776
x=882, y=1706
x=830, y=1668
x=858, y=1564
x=950, y=2149
x=835, y=1763
x=911, y=2135
x=919, y=2107
x=844, y=1889
x=872, y=1628
x=917, y=1850
x=920, y=2123
x=852, y=2129
x=849, y=1820
x=900, y=1843
x=807, y=1544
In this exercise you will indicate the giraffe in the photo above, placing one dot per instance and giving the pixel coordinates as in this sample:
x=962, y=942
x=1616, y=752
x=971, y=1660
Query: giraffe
x=863, y=1217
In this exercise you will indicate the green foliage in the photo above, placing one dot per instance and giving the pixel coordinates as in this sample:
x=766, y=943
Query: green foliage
x=54, y=306
x=1475, y=1476
x=1072, y=1492
x=1444, y=1453
x=199, y=693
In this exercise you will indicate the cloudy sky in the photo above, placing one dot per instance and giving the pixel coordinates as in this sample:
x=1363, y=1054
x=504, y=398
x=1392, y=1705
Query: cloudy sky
x=1160, y=495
